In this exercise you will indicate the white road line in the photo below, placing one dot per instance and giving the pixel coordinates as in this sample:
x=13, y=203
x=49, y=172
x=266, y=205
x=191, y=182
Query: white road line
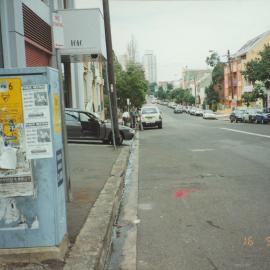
x=248, y=133
x=202, y=150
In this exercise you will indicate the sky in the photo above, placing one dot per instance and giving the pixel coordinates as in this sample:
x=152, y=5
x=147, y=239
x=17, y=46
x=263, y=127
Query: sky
x=181, y=33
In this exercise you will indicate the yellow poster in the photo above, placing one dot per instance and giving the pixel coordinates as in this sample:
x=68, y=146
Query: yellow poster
x=56, y=113
x=15, y=169
x=11, y=109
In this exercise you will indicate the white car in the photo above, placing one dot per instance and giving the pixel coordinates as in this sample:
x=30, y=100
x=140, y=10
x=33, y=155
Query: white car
x=209, y=114
x=151, y=116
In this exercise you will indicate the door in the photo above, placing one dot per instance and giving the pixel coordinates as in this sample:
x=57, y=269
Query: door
x=74, y=127
x=90, y=125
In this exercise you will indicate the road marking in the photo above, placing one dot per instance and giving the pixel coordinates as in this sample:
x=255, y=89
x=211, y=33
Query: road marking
x=248, y=133
x=179, y=194
x=202, y=150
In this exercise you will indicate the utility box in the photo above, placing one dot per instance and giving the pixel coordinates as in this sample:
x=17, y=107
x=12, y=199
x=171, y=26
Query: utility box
x=32, y=178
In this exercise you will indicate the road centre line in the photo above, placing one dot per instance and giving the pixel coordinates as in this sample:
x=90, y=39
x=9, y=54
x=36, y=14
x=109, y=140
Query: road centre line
x=202, y=150
x=248, y=133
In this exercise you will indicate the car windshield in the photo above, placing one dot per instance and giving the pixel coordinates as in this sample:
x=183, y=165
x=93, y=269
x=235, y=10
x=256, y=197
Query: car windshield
x=149, y=110
x=209, y=111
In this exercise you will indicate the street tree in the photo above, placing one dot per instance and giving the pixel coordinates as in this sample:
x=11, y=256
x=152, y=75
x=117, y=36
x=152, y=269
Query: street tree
x=152, y=87
x=213, y=59
x=257, y=72
x=212, y=97
x=130, y=84
x=161, y=93
x=212, y=92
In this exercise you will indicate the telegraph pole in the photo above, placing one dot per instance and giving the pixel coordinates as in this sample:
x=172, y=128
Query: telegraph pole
x=110, y=60
x=230, y=69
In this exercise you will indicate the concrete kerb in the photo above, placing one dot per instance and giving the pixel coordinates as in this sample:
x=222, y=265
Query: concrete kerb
x=93, y=243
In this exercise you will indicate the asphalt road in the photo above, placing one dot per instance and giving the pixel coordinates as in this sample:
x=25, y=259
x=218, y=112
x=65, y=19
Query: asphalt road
x=204, y=195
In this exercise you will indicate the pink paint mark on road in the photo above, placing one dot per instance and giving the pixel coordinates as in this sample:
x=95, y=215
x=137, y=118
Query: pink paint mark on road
x=179, y=194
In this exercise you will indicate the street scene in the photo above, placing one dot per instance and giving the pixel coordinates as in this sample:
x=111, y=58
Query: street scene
x=202, y=196
x=134, y=135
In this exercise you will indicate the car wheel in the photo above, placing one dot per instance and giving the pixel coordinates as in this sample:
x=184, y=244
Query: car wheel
x=231, y=120
x=120, y=139
x=160, y=126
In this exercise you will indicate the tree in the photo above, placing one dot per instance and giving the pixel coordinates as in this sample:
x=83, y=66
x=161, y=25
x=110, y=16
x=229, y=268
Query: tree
x=212, y=97
x=152, y=87
x=161, y=94
x=130, y=84
x=257, y=72
x=259, y=68
x=213, y=59
x=258, y=92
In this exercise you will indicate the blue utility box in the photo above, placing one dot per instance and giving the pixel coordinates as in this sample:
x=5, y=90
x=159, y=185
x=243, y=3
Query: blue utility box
x=32, y=173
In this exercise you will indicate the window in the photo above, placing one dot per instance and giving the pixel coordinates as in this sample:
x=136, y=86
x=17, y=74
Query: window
x=72, y=116
x=149, y=110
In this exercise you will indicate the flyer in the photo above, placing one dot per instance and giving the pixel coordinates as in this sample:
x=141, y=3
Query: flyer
x=15, y=169
x=37, y=122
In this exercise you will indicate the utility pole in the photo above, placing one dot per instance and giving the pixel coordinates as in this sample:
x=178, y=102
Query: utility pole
x=230, y=70
x=195, y=89
x=110, y=60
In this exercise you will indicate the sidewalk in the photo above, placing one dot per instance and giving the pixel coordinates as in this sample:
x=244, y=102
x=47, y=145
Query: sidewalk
x=224, y=114
x=97, y=173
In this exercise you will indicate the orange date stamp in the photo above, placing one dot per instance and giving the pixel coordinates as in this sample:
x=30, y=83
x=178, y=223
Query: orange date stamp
x=249, y=241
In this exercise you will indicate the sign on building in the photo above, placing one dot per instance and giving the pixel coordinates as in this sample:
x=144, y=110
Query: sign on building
x=58, y=31
x=84, y=34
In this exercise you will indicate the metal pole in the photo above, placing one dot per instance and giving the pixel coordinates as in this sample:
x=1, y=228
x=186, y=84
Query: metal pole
x=230, y=68
x=64, y=129
x=111, y=79
x=110, y=104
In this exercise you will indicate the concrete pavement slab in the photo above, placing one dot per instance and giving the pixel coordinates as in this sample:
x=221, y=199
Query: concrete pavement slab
x=97, y=173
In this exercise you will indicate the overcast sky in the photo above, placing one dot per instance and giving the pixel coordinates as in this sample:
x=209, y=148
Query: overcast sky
x=181, y=33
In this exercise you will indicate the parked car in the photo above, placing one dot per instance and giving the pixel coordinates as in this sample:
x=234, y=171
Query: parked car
x=192, y=111
x=263, y=117
x=249, y=115
x=237, y=116
x=209, y=114
x=83, y=125
x=151, y=116
x=178, y=109
x=198, y=112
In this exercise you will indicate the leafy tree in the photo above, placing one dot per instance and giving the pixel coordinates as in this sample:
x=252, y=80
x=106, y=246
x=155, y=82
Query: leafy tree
x=213, y=59
x=152, y=87
x=257, y=72
x=130, y=84
x=161, y=94
x=259, y=68
x=169, y=86
x=218, y=73
x=258, y=92
x=212, y=97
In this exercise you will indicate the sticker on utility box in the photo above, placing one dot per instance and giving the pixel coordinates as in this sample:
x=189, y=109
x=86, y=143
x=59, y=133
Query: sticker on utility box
x=15, y=169
x=37, y=121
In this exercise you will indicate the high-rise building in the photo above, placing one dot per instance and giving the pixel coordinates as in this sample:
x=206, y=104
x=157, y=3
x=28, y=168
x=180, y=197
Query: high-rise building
x=150, y=66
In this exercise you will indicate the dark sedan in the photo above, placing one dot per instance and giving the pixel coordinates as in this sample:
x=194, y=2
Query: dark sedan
x=82, y=125
x=262, y=117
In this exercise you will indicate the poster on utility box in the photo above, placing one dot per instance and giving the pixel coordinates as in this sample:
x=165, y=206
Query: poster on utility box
x=37, y=122
x=15, y=168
